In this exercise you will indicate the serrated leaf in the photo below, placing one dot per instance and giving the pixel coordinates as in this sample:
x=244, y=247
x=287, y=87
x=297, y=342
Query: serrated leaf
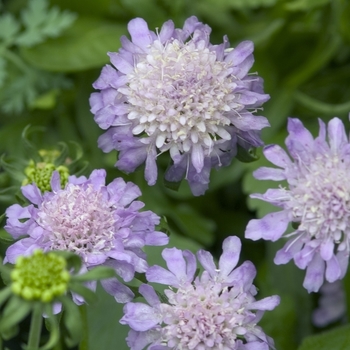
x=9, y=27
x=83, y=46
x=18, y=93
x=35, y=13
x=23, y=89
x=57, y=22
x=42, y=23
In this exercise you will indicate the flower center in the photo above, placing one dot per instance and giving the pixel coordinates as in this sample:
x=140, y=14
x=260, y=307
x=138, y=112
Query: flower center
x=79, y=219
x=179, y=94
x=321, y=201
x=40, y=276
x=203, y=317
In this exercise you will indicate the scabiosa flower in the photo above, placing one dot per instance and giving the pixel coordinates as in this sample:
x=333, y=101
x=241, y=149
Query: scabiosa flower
x=212, y=311
x=102, y=224
x=317, y=198
x=174, y=91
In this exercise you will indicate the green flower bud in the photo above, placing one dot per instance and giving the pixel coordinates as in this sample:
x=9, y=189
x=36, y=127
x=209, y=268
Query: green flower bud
x=40, y=276
x=40, y=174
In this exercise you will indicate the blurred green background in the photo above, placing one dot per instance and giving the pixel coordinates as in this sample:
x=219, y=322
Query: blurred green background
x=52, y=51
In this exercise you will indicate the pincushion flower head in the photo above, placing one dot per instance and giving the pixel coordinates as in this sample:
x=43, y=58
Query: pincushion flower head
x=216, y=310
x=174, y=91
x=317, y=199
x=101, y=223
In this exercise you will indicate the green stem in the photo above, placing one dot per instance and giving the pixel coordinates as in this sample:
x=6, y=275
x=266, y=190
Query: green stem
x=35, y=328
x=84, y=343
x=16, y=60
x=321, y=107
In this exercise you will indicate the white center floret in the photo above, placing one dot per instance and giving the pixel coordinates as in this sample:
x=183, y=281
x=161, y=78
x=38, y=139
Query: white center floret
x=179, y=94
x=203, y=317
x=321, y=199
x=78, y=219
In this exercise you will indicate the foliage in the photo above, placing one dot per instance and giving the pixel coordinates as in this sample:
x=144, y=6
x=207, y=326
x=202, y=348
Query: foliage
x=52, y=51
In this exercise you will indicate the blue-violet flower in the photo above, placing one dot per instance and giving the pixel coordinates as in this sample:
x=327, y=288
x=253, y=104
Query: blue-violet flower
x=102, y=224
x=216, y=310
x=317, y=198
x=174, y=91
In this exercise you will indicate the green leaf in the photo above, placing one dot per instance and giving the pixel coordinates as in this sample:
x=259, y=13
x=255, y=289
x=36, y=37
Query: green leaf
x=3, y=72
x=53, y=328
x=14, y=312
x=88, y=295
x=9, y=27
x=83, y=46
x=10, y=166
x=40, y=23
x=337, y=339
x=46, y=100
x=305, y=5
x=105, y=331
x=240, y=4
x=163, y=226
x=18, y=93
x=6, y=273
x=24, y=84
x=193, y=224
x=73, y=260
x=172, y=185
x=5, y=294
x=246, y=156
x=96, y=274
x=71, y=320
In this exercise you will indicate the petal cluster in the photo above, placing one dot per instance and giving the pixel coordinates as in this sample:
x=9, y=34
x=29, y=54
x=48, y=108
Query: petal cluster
x=101, y=223
x=317, y=199
x=216, y=310
x=174, y=91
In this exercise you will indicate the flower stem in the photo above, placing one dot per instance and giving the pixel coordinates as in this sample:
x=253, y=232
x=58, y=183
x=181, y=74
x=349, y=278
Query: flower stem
x=16, y=60
x=35, y=328
x=321, y=107
x=85, y=341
